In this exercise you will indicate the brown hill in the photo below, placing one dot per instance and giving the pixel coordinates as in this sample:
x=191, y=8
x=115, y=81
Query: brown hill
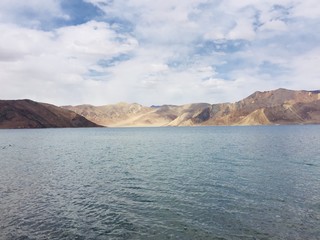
x=280, y=106
x=126, y=115
x=30, y=114
x=110, y=114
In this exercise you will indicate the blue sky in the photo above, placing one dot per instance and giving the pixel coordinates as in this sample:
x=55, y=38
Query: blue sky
x=156, y=52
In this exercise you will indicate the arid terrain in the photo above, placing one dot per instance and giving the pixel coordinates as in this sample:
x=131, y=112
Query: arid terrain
x=280, y=106
x=30, y=114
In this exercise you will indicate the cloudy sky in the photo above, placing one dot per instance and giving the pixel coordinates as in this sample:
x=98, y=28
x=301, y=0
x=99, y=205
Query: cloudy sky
x=156, y=52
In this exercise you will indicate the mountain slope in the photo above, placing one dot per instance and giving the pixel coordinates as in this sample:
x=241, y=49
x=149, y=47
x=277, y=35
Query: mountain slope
x=113, y=114
x=126, y=115
x=30, y=114
x=279, y=106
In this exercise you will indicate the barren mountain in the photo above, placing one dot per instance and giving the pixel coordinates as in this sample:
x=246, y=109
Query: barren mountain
x=125, y=115
x=110, y=114
x=30, y=114
x=280, y=106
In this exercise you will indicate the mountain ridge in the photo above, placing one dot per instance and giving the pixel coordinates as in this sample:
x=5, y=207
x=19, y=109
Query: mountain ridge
x=280, y=106
x=25, y=113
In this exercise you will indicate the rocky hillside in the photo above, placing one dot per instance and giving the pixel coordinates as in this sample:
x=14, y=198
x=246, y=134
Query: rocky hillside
x=280, y=106
x=124, y=114
x=30, y=114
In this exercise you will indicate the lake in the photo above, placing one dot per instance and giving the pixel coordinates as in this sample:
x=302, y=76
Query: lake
x=161, y=183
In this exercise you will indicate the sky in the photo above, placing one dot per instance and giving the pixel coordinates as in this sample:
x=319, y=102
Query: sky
x=70, y=52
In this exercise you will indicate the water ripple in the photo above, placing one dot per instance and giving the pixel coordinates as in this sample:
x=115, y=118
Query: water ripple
x=166, y=183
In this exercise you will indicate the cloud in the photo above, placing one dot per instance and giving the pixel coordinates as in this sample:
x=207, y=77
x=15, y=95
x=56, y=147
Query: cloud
x=31, y=13
x=156, y=52
x=56, y=65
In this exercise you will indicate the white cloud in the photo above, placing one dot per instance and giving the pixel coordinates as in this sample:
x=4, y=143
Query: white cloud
x=96, y=39
x=242, y=30
x=55, y=65
x=156, y=52
x=307, y=9
x=274, y=25
x=305, y=70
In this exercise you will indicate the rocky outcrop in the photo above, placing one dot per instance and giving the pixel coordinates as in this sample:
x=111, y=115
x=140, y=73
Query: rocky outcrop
x=30, y=114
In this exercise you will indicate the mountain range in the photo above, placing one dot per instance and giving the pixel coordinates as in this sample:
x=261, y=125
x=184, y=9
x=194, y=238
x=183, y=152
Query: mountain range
x=279, y=106
x=275, y=107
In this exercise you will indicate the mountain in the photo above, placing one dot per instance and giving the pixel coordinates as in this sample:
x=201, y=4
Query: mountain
x=30, y=114
x=110, y=114
x=279, y=106
x=125, y=115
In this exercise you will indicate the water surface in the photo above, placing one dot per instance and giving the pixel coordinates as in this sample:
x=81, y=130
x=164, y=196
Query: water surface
x=161, y=183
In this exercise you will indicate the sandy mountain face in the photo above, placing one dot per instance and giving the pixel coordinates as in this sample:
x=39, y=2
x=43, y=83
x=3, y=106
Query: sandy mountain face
x=30, y=114
x=124, y=114
x=280, y=106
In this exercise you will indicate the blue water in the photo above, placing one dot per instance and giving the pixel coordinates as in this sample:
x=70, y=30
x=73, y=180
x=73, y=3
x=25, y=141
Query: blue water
x=161, y=183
